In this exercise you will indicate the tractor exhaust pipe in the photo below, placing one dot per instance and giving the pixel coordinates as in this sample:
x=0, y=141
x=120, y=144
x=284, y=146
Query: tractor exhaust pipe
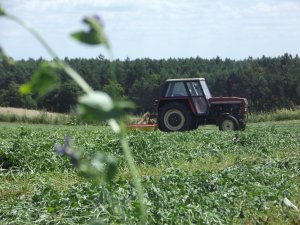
x=229, y=87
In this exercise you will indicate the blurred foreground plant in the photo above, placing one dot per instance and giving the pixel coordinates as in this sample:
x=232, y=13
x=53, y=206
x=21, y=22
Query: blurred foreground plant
x=93, y=105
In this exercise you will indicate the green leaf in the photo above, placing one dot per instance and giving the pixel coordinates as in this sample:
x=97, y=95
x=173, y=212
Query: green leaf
x=114, y=125
x=100, y=106
x=97, y=222
x=2, y=11
x=98, y=99
x=52, y=209
x=44, y=80
x=99, y=162
x=100, y=168
x=111, y=168
x=105, y=165
x=95, y=35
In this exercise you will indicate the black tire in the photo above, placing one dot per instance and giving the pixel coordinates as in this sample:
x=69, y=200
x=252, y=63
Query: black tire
x=194, y=124
x=174, y=117
x=229, y=123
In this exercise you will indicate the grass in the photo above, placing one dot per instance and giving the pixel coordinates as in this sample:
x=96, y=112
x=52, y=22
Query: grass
x=216, y=163
x=29, y=116
x=278, y=115
x=18, y=115
x=15, y=184
x=203, y=176
x=22, y=185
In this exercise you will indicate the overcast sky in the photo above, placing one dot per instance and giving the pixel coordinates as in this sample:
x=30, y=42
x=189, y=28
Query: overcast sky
x=158, y=29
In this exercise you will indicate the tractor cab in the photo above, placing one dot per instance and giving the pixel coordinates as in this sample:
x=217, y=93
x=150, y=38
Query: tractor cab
x=192, y=90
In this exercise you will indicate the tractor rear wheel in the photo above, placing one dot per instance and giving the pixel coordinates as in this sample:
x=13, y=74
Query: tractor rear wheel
x=174, y=117
x=229, y=123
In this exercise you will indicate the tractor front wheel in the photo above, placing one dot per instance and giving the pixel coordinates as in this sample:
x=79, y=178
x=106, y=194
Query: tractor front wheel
x=174, y=117
x=229, y=123
x=242, y=125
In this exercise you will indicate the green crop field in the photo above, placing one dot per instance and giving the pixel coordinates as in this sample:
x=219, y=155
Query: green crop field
x=199, y=177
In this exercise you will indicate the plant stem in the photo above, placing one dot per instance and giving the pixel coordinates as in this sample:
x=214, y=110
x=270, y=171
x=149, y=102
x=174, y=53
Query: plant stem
x=134, y=172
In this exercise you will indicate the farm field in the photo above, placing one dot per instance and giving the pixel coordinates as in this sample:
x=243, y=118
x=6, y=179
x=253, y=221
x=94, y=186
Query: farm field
x=199, y=177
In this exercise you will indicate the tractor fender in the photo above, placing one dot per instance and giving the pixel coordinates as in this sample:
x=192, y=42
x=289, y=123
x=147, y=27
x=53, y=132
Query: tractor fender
x=183, y=101
x=222, y=117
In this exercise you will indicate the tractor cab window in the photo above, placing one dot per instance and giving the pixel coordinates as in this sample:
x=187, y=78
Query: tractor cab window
x=194, y=88
x=198, y=97
x=205, y=89
x=176, y=89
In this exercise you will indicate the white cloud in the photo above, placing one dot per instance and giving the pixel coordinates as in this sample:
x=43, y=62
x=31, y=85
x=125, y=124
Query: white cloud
x=169, y=23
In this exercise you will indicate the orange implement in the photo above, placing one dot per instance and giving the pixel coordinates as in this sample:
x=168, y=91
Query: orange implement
x=143, y=127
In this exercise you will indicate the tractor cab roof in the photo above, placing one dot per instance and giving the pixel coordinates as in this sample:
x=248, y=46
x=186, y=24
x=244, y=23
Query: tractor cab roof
x=184, y=79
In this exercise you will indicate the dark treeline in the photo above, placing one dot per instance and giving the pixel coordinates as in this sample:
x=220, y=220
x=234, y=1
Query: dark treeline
x=267, y=83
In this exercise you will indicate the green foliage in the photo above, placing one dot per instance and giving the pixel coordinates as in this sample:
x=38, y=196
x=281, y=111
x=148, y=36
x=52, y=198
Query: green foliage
x=95, y=35
x=4, y=58
x=11, y=97
x=203, y=176
x=91, y=104
x=141, y=80
x=101, y=168
x=278, y=115
x=115, y=90
x=149, y=88
x=2, y=11
x=99, y=106
x=44, y=80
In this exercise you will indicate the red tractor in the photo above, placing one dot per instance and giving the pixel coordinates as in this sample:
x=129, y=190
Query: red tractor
x=187, y=103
